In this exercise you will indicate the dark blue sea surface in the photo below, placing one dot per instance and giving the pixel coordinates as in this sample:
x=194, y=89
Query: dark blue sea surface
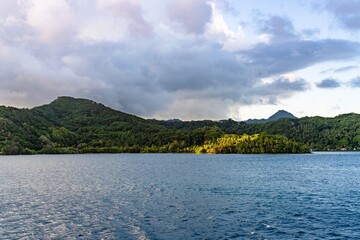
x=140, y=196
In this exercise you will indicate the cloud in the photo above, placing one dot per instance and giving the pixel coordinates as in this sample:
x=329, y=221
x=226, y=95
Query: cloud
x=195, y=108
x=227, y=6
x=328, y=83
x=216, y=102
x=277, y=58
x=345, y=69
x=131, y=11
x=218, y=30
x=347, y=13
x=355, y=82
x=284, y=84
x=339, y=70
x=190, y=15
x=115, y=52
x=310, y=32
x=51, y=20
x=27, y=79
x=280, y=28
x=280, y=87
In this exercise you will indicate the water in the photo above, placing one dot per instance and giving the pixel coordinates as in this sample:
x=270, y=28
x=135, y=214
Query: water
x=180, y=196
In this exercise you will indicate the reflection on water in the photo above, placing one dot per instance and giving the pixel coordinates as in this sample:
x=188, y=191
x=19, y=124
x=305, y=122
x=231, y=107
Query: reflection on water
x=186, y=196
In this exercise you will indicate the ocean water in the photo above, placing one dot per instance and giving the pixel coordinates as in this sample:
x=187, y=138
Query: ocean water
x=153, y=196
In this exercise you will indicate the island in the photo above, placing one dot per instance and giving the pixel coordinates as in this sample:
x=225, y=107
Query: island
x=75, y=125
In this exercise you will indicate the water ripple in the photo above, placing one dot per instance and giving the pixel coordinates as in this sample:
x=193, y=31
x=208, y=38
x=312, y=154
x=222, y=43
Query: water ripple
x=180, y=197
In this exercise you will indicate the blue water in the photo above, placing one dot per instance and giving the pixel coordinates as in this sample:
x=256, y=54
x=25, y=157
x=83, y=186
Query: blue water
x=169, y=196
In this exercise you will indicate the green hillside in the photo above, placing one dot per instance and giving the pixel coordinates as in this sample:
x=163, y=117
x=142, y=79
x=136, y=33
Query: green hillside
x=338, y=133
x=319, y=133
x=69, y=125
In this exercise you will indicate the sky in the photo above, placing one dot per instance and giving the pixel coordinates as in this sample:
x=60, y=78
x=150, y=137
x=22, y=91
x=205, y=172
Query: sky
x=185, y=59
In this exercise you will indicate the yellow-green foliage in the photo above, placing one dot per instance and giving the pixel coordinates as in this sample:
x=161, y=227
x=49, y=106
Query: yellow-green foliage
x=257, y=143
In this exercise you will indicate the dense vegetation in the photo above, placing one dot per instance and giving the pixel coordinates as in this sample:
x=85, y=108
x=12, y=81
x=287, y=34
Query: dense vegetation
x=257, y=143
x=69, y=125
x=319, y=133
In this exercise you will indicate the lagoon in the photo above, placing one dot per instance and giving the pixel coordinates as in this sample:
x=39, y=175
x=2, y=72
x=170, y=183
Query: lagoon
x=180, y=196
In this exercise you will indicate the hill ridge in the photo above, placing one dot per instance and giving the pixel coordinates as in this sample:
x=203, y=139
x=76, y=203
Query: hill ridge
x=79, y=125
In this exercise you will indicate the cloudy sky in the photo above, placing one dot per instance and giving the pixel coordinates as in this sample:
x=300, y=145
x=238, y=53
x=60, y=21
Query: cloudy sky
x=187, y=59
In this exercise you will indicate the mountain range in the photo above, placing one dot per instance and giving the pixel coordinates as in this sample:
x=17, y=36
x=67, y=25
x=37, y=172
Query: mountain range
x=71, y=125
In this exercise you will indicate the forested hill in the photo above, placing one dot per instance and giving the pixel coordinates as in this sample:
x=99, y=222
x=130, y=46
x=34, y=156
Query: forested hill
x=69, y=125
x=338, y=133
x=319, y=133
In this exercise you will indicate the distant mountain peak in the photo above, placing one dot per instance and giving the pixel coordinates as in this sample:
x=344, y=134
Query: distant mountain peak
x=281, y=114
x=278, y=115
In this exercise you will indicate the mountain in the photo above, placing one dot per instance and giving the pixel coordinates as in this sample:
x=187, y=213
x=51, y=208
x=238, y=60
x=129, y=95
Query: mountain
x=71, y=125
x=278, y=115
x=319, y=133
x=338, y=133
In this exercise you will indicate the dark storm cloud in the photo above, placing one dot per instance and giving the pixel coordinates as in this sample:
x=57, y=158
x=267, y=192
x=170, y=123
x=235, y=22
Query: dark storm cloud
x=201, y=66
x=328, y=83
x=346, y=12
x=144, y=82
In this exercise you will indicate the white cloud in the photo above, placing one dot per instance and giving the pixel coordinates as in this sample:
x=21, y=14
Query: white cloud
x=103, y=30
x=8, y=8
x=131, y=11
x=191, y=16
x=218, y=30
x=53, y=21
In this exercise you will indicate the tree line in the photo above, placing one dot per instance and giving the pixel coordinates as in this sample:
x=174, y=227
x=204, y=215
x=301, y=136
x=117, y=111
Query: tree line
x=69, y=125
